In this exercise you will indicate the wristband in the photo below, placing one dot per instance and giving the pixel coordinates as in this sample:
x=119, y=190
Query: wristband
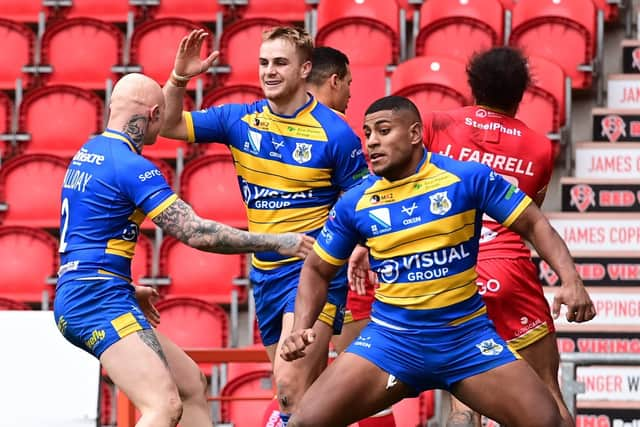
x=178, y=77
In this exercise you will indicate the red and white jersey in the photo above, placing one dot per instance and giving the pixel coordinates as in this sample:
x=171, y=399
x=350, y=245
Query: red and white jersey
x=523, y=156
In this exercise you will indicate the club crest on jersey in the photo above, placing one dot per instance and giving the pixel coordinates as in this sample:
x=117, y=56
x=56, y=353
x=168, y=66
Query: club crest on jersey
x=582, y=196
x=440, y=203
x=490, y=347
x=253, y=144
x=302, y=153
x=613, y=127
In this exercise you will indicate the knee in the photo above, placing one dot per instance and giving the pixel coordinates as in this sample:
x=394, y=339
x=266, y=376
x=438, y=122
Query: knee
x=174, y=411
x=195, y=387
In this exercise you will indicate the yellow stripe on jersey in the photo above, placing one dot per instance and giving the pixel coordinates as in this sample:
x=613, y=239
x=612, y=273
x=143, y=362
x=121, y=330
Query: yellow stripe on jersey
x=326, y=257
x=270, y=265
x=137, y=216
x=123, y=248
x=287, y=220
x=162, y=206
x=126, y=324
x=121, y=138
x=478, y=312
x=445, y=232
x=302, y=126
x=109, y=273
x=260, y=171
x=188, y=122
x=517, y=211
x=391, y=295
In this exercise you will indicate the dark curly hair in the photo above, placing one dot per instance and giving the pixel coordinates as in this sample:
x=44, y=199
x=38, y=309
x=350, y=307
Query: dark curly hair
x=498, y=77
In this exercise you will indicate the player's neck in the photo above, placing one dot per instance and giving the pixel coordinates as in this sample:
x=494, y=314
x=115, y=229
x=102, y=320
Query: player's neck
x=510, y=113
x=288, y=106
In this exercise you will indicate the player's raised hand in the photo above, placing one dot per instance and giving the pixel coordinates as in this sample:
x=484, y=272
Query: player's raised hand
x=295, y=244
x=188, y=63
x=294, y=345
x=580, y=308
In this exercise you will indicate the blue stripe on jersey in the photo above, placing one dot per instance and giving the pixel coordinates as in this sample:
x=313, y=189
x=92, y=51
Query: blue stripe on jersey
x=423, y=236
x=107, y=191
x=290, y=169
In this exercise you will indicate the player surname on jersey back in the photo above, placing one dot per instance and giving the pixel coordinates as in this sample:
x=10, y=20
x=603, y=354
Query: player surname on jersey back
x=499, y=162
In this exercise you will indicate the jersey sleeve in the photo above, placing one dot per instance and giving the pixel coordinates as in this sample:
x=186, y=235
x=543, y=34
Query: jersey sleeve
x=145, y=186
x=339, y=236
x=350, y=165
x=501, y=200
x=212, y=124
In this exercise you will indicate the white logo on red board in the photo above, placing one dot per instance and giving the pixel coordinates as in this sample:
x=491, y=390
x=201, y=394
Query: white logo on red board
x=547, y=274
x=635, y=58
x=582, y=196
x=613, y=127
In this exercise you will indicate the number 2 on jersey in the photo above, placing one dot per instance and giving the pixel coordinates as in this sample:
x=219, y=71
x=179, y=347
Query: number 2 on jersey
x=65, y=216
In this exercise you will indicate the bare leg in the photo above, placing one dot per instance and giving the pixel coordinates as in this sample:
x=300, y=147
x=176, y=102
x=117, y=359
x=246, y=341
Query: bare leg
x=511, y=394
x=350, y=332
x=544, y=358
x=137, y=365
x=191, y=383
x=461, y=415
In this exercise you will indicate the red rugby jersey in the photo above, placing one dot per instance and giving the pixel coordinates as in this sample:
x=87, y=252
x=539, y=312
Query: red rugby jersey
x=521, y=155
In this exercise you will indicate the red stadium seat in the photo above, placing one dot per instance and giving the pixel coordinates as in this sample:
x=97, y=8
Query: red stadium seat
x=237, y=369
x=17, y=51
x=292, y=11
x=243, y=413
x=141, y=263
x=240, y=47
x=611, y=10
x=199, y=274
x=234, y=94
x=29, y=257
x=368, y=85
x=193, y=10
x=193, y=323
x=110, y=11
x=30, y=185
x=154, y=45
x=346, y=24
x=458, y=29
x=96, y=47
x=21, y=11
x=571, y=24
x=167, y=148
x=217, y=174
x=543, y=104
x=414, y=412
x=9, y=304
x=6, y=113
x=72, y=116
x=432, y=83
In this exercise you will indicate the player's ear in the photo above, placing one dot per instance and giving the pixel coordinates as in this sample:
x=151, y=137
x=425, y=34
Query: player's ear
x=334, y=80
x=306, y=69
x=415, y=132
x=154, y=113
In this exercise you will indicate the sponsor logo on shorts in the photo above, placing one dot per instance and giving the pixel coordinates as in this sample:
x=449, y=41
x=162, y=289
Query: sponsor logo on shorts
x=490, y=347
x=96, y=337
x=62, y=324
x=363, y=342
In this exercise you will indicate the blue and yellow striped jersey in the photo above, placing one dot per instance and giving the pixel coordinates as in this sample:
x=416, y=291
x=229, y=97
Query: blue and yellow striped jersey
x=291, y=169
x=108, y=190
x=423, y=236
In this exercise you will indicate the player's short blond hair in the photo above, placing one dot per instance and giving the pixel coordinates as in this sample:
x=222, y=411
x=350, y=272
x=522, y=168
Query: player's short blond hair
x=296, y=36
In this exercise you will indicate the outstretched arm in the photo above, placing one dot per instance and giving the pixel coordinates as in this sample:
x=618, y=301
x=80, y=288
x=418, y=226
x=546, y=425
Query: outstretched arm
x=533, y=226
x=186, y=66
x=180, y=221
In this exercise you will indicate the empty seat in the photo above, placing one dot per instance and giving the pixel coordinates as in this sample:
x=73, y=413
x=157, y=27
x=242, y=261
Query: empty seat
x=167, y=148
x=72, y=116
x=571, y=24
x=194, y=273
x=368, y=84
x=154, y=45
x=237, y=369
x=367, y=31
x=193, y=323
x=257, y=385
x=21, y=11
x=141, y=262
x=233, y=94
x=9, y=304
x=414, y=412
x=6, y=113
x=217, y=174
x=30, y=186
x=544, y=102
x=432, y=83
x=96, y=47
x=240, y=49
x=193, y=10
x=18, y=42
x=29, y=257
x=110, y=11
x=292, y=11
x=459, y=28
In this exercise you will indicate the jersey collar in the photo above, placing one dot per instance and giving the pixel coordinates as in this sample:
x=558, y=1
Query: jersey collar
x=306, y=108
x=114, y=134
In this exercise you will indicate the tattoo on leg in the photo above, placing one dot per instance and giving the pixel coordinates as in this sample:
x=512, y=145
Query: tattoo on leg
x=135, y=128
x=460, y=419
x=149, y=338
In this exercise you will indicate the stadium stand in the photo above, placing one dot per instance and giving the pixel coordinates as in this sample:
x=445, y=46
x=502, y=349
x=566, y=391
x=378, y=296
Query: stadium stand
x=141, y=262
x=110, y=11
x=291, y=11
x=193, y=323
x=232, y=94
x=243, y=413
x=6, y=119
x=23, y=279
x=42, y=175
x=18, y=45
x=9, y=304
x=96, y=46
x=458, y=29
x=193, y=10
x=414, y=412
x=166, y=148
x=22, y=11
x=73, y=115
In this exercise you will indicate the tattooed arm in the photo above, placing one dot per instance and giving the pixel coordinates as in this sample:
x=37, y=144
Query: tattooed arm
x=180, y=221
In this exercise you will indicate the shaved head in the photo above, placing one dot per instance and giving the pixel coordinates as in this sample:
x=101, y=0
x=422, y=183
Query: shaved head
x=137, y=108
x=396, y=104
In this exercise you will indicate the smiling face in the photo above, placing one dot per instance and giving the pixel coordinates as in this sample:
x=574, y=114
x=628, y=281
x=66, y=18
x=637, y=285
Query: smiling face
x=282, y=72
x=394, y=142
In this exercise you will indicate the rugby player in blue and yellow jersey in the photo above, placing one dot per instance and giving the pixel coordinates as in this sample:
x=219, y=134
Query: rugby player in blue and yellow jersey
x=421, y=217
x=108, y=190
x=293, y=157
